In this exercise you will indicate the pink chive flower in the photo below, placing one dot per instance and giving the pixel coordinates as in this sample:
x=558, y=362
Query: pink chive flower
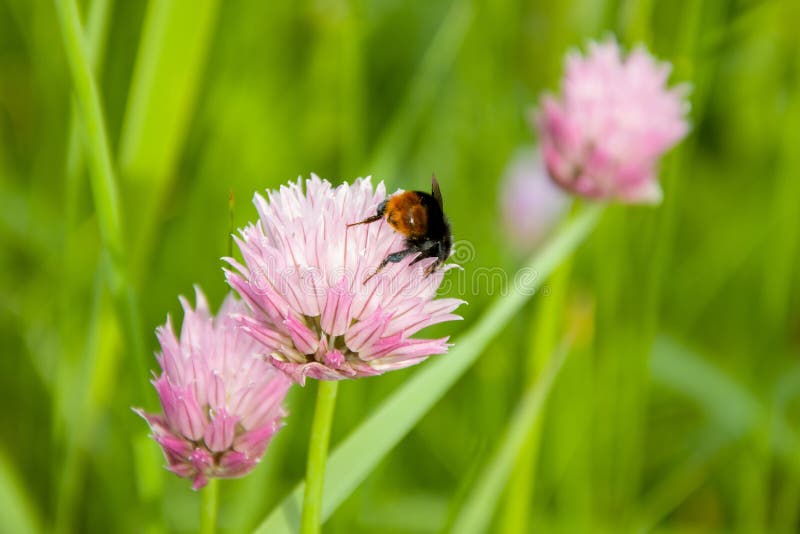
x=304, y=278
x=222, y=403
x=604, y=136
x=530, y=204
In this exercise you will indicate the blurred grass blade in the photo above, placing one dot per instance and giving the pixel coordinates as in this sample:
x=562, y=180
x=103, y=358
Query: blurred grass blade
x=734, y=412
x=97, y=24
x=107, y=205
x=94, y=386
x=439, y=56
x=478, y=508
x=780, y=259
x=679, y=483
x=676, y=367
x=96, y=31
x=724, y=400
x=104, y=185
x=103, y=180
x=546, y=327
x=786, y=501
x=17, y=512
x=164, y=87
x=358, y=455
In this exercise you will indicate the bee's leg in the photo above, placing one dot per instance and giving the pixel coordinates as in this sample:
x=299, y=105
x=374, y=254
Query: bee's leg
x=431, y=249
x=394, y=257
x=432, y=267
x=378, y=215
x=366, y=221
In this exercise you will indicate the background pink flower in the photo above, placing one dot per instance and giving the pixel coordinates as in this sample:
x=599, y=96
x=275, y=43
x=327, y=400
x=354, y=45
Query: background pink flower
x=530, y=203
x=603, y=137
x=222, y=403
x=304, y=278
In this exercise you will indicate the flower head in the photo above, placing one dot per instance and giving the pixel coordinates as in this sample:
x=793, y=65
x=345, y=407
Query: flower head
x=304, y=278
x=616, y=117
x=529, y=202
x=222, y=403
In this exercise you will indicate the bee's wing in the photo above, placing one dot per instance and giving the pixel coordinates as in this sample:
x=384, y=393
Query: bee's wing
x=437, y=194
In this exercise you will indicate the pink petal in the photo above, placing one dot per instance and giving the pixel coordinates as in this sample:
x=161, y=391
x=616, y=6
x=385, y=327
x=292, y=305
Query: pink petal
x=183, y=470
x=235, y=464
x=219, y=434
x=259, y=295
x=203, y=462
x=176, y=448
x=382, y=346
x=334, y=359
x=367, y=331
x=336, y=314
x=299, y=371
x=271, y=339
x=305, y=341
x=200, y=481
x=254, y=442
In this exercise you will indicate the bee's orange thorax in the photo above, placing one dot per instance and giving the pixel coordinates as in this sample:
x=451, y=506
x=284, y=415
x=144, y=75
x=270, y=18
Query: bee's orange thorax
x=407, y=215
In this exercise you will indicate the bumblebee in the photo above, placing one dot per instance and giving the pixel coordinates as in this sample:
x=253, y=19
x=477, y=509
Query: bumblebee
x=420, y=218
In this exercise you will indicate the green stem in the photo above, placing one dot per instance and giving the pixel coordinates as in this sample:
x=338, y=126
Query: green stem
x=209, y=502
x=317, y=456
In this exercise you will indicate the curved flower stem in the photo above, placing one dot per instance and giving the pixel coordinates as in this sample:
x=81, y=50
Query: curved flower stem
x=209, y=499
x=317, y=456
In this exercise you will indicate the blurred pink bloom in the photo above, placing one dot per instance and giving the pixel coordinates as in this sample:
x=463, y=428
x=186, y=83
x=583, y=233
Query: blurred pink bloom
x=222, y=403
x=304, y=278
x=615, y=119
x=530, y=203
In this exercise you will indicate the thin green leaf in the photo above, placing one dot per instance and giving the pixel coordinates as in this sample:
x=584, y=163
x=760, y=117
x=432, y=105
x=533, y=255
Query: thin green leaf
x=16, y=509
x=780, y=259
x=164, y=87
x=435, y=64
x=733, y=412
x=480, y=505
x=724, y=400
x=544, y=335
x=680, y=482
x=103, y=181
x=96, y=30
x=102, y=177
x=729, y=404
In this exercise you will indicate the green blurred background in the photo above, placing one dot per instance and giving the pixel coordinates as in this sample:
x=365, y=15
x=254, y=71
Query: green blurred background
x=677, y=410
